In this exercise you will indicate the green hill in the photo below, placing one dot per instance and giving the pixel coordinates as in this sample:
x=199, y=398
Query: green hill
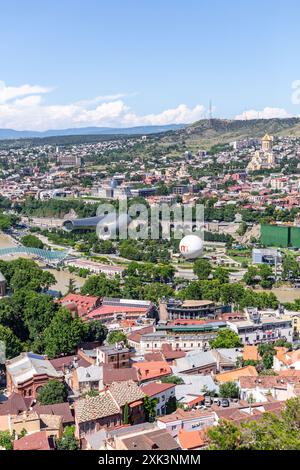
x=205, y=133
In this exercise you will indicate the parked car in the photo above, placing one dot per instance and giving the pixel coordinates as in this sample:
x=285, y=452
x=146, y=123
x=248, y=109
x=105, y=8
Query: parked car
x=224, y=402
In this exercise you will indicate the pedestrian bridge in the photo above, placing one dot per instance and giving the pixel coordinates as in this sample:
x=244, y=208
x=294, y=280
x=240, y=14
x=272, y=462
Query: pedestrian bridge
x=50, y=256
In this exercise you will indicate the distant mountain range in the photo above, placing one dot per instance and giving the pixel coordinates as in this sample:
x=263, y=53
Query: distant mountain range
x=201, y=134
x=139, y=130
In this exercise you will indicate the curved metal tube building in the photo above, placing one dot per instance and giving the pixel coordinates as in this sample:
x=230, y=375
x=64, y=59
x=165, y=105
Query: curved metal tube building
x=105, y=225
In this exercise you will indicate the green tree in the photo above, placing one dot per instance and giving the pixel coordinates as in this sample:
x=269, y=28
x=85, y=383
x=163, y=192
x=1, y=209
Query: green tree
x=63, y=334
x=150, y=408
x=53, y=392
x=271, y=432
x=126, y=413
x=6, y=440
x=39, y=310
x=12, y=317
x=95, y=331
x=229, y=390
x=13, y=346
x=7, y=221
x=221, y=274
x=171, y=405
x=291, y=414
x=32, y=241
x=266, y=274
x=225, y=436
x=116, y=337
x=290, y=267
x=251, y=276
x=26, y=274
x=71, y=286
x=172, y=379
x=226, y=338
x=202, y=268
x=102, y=286
x=68, y=440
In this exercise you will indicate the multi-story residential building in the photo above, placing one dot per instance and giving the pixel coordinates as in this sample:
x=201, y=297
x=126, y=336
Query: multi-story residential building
x=70, y=160
x=86, y=379
x=179, y=337
x=117, y=357
x=265, y=330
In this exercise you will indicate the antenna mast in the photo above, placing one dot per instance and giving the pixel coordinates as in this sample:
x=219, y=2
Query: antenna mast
x=210, y=112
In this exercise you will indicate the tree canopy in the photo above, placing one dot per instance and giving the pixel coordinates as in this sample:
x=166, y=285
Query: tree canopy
x=63, y=334
x=226, y=338
x=270, y=432
x=53, y=392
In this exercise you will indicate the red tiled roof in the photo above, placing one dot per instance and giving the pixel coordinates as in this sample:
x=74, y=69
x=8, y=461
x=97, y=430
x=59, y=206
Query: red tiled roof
x=155, y=388
x=170, y=353
x=61, y=362
x=84, y=303
x=119, y=375
x=58, y=409
x=111, y=309
x=153, y=356
x=137, y=335
x=36, y=441
x=289, y=373
x=15, y=404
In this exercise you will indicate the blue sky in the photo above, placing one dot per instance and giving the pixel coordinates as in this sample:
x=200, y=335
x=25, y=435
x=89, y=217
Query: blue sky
x=145, y=58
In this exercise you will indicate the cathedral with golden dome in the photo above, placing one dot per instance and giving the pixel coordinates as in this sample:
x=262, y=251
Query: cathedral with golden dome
x=263, y=159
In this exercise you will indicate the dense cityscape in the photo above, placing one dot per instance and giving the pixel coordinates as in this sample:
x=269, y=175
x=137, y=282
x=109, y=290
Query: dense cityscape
x=118, y=344
x=149, y=232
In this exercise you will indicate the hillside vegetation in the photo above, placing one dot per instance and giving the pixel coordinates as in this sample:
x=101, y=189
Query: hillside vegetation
x=205, y=133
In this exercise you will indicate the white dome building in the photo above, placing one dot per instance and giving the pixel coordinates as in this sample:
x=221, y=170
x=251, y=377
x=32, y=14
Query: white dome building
x=191, y=246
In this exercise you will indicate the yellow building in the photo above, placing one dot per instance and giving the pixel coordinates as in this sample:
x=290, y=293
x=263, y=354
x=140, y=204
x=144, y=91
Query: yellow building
x=267, y=143
x=264, y=158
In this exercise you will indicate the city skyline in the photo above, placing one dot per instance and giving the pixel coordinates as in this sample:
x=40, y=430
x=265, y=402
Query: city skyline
x=124, y=64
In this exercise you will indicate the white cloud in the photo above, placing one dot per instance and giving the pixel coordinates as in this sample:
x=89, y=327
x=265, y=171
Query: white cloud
x=179, y=115
x=8, y=93
x=266, y=113
x=23, y=108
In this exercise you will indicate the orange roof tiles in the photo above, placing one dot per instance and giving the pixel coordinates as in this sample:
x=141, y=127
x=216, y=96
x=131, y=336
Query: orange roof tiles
x=287, y=357
x=152, y=370
x=251, y=353
x=235, y=374
x=192, y=439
